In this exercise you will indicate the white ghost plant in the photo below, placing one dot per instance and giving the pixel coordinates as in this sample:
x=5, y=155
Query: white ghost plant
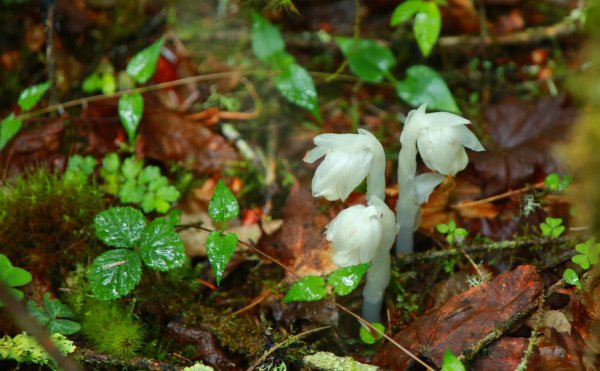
x=440, y=138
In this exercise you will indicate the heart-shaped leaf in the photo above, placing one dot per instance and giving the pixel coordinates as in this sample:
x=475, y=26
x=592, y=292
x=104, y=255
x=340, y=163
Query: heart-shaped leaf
x=424, y=85
x=223, y=205
x=296, y=85
x=367, y=58
x=131, y=108
x=309, y=288
x=581, y=260
x=369, y=338
x=115, y=273
x=160, y=247
x=345, y=280
x=219, y=249
x=119, y=226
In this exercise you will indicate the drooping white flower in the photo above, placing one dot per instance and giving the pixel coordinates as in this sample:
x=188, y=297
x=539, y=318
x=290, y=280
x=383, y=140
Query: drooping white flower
x=440, y=138
x=349, y=158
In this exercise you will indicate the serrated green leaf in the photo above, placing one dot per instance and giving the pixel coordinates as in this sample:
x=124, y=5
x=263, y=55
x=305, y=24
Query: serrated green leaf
x=131, y=168
x=427, y=26
x=297, y=86
x=32, y=95
x=161, y=247
x=15, y=276
x=115, y=273
x=111, y=163
x=451, y=362
x=424, y=85
x=345, y=280
x=131, y=192
x=223, y=205
x=149, y=173
x=143, y=64
x=131, y=108
x=367, y=337
x=219, y=249
x=119, y=226
x=63, y=326
x=9, y=127
x=266, y=38
x=404, y=12
x=309, y=288
x=571, y=277
x=367, y=58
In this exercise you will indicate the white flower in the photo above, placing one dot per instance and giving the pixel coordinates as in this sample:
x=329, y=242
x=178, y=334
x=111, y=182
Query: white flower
x=440, y=138
x=359, y=231
x=349, y=158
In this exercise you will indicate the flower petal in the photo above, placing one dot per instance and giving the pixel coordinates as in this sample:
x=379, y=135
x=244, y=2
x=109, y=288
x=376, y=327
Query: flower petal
x=313, y=155
x=425, y=184
x=465, y=137
x=340, y=172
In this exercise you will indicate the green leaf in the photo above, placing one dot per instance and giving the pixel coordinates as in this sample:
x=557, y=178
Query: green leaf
x=4, y=263
x=160, y=247
x=367, y=337
x=115, y=273
x=309, y=288
x=424, y=85
x=556, y=232
x=296, y=85
x=451, y=225
x=131, y=192
x=442, y=228
x=553, y=222
x=131, y=168
x=143, y=64
x=9, y=127
x=223, y=205
x=219, y=249
x=111, y=163
x=571, y=277
x=345, y=280
x=32, y=95
x=451, y=362
x=367, y=58
x=555, y=183
x=427, y=26
x=546, y=230
x=56, y=309
x=266, y=38
x=119, y=226
x=404, y=12
x=63, y=326
x=131, y=108
x=38, y=313
x=16, y=277
x=581, y=260
x=460, y=232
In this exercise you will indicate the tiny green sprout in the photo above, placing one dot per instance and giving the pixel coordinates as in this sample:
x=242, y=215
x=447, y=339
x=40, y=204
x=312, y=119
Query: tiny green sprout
x=448, y=265
x=552, y=227
x=571, y=277
x=451, y=362
x=556, y=183
x=368, y=336
x=589, y=252
x=13, y=277
x=452, y=233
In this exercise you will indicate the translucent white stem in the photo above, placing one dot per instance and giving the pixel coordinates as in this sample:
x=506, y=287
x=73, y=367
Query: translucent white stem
x=378, y=278
x=376, y=176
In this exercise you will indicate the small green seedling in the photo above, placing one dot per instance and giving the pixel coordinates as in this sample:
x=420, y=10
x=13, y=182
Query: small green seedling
x=556, y=183
x=55, y=315
x=589, y=252
x=552, y=227
x=571, y=277
x=79, y=168
x=13, y=277
x=223, y=206
x=312, y=288
x=427, y=24
x=451, y=362
x=116, y=272
x=366, y=334
x=452, y=233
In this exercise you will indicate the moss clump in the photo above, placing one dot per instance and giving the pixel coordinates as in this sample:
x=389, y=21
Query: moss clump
x=40, y=211
x=111, y=329
x=239, y=334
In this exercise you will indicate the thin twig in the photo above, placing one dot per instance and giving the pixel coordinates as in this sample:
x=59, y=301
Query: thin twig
x=286, y=342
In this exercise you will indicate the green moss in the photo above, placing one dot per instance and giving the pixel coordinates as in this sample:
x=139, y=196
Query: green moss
x=47, y=218
x=111, y=329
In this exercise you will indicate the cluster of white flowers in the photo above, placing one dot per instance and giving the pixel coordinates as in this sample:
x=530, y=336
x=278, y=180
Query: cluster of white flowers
x=365, y=234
